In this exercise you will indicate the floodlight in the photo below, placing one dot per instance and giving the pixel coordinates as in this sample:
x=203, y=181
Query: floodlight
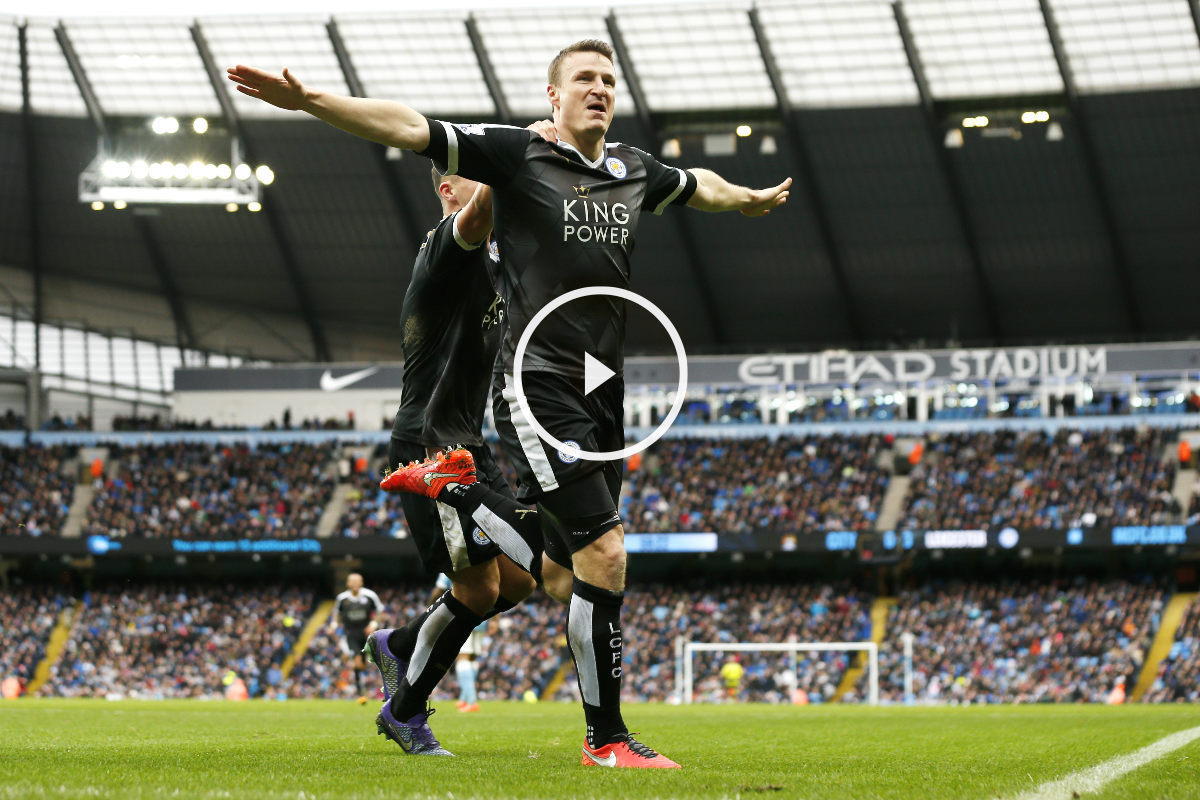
x=264, y=174
x=200, y=125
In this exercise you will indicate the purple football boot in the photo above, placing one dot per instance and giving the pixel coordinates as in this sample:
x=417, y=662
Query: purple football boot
x=391, y=669
x=415, y=737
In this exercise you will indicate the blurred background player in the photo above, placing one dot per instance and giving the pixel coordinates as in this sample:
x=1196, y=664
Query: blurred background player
x=732, y=672
x=466, y=667
x=358, y=611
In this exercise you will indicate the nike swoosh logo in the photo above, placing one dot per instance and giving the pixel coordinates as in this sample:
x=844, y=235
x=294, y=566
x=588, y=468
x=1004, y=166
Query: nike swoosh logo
x=332, y=384
x=609, y=761
x=430, y=477
x=406, y=739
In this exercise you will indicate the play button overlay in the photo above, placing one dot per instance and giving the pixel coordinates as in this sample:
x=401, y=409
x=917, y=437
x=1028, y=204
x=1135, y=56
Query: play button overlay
x=595, y=373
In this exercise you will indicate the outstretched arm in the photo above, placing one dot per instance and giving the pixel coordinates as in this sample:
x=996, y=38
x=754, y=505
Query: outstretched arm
x=382, y=121
x=714, y=193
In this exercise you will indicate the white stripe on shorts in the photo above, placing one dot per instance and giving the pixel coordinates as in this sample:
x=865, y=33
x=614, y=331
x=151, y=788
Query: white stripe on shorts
x=505, y=536
x=531, y=445
x=452, y=532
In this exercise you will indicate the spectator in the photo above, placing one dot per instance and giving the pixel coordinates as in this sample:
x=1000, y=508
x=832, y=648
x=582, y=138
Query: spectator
x=1042, y=480
x=196, y=490
x=808, y=484
x=35, y=494
x=1020, y=642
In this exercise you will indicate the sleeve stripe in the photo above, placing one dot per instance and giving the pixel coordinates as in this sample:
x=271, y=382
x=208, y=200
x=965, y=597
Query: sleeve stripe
x=458, y=237
x=671, y=197
x=451, y=149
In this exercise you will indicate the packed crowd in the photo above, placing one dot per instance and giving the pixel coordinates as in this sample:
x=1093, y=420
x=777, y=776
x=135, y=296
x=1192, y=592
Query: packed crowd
x=11, y=421
x=1016, y=642
x=730, y=485
x=995, y=642
x=28, y=614
x=1178, y=678
x=163, y=640
x=370, y=511
x=35, y=491
x=196, y=490
x=1043, y=480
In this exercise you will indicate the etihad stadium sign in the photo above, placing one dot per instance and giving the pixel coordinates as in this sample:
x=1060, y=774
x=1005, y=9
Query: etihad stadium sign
x=909, y=366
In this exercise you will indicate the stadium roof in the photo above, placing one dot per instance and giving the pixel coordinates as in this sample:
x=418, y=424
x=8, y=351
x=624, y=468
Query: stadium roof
x=1083, y=225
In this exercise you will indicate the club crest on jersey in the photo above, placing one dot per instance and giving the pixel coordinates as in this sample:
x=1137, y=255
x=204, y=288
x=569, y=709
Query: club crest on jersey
x=615, y=167
x=480, y=537
x=570, y=454
x=470, y=128
x=494, y=250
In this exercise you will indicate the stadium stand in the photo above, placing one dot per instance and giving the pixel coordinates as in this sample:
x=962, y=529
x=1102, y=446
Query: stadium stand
x=165, y=640
x=1038, y=479
x=1020, y=642
x=369, y=510
x=1178, y=678
x=736, y=485
x=198, y=490
x=27, y=616
x=35, y=494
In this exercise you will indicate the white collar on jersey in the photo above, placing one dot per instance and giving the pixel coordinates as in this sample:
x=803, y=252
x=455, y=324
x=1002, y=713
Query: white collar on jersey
x=597, y=164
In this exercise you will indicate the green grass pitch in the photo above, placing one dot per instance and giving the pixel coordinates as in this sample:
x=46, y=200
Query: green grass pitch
x=324, y=749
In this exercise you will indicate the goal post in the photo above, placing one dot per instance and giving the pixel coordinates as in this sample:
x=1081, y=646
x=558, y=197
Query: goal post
x=685, y=678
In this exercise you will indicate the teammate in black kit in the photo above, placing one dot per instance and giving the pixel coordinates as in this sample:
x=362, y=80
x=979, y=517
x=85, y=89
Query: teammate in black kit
x=566, y=216
x=357, y=610
x=450, y=331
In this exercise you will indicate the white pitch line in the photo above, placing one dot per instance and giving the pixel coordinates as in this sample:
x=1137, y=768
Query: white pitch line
x=1093, y=779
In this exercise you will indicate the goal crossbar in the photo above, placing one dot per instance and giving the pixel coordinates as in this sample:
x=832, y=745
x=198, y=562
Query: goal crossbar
x=684, y=654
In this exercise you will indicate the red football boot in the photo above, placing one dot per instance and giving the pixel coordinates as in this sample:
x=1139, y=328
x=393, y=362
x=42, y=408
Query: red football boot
x=430, y=476
x=629, y=753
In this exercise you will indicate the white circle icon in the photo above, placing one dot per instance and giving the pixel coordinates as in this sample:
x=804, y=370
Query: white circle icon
x=571, y=447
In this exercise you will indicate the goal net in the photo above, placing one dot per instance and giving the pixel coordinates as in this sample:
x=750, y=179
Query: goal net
x=685, y=661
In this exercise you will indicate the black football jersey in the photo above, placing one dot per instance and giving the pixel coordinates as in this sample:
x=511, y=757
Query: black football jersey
x=562, y=223
x=354, y=611
x=450, y=332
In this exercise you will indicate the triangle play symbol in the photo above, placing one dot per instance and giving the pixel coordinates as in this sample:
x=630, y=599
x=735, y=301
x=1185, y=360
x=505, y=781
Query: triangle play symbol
x=594, y=373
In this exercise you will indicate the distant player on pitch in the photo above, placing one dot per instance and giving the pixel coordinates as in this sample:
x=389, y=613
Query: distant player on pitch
x=358, y=610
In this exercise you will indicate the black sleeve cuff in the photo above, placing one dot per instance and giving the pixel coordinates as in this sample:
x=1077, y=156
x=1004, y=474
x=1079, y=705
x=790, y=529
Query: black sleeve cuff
x=438, y=148
x=689, y=189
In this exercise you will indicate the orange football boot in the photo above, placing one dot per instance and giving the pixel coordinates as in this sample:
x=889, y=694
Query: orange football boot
x=629, y=753
x=430, y=476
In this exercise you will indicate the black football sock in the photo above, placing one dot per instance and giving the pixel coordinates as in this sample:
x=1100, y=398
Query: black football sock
x=358, y=681
x=506, y=522
x=402, y=640
x=446, y=628
x=594, y=634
